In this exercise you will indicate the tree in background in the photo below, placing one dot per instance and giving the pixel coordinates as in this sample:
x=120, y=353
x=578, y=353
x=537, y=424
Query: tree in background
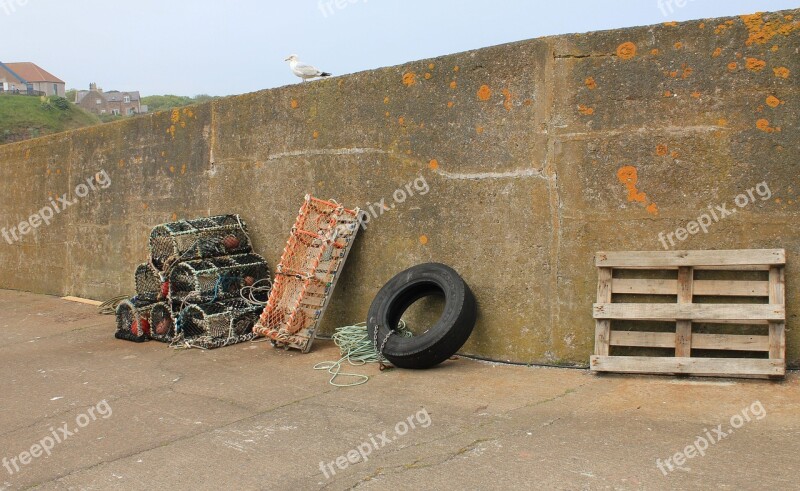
x=163, y=102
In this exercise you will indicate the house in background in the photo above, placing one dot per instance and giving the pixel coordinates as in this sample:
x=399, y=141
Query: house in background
x=112, y=102
x=29, y=78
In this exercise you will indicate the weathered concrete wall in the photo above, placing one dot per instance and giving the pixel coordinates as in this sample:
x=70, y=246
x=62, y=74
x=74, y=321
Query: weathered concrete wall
x=529, y=150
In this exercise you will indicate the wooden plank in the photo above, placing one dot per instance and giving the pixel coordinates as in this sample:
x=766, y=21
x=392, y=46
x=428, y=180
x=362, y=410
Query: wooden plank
x=714, y=288
x=731, y=288
x=733, y=342
x=602, y=330
x=85, y=301
x=683, y=328
x=644, y=286
x=622, y=259
x=643, y=339
x=695, y=312
x=777, y=296
x=692, y=366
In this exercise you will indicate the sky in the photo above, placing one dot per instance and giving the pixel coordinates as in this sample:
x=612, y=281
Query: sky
x=219, y=47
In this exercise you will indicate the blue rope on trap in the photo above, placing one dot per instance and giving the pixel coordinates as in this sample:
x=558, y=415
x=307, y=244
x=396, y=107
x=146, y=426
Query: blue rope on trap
x=224, y=283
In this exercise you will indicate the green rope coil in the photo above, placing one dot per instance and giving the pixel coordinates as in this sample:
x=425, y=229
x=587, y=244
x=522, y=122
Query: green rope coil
x=357, y=349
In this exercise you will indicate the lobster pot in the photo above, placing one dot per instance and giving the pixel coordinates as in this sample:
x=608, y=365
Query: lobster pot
x=217, y=324
x=311, y=263
x=162, y=323
x=188, y=240
x=148, y=283
x=220, y=278
x=133, y=320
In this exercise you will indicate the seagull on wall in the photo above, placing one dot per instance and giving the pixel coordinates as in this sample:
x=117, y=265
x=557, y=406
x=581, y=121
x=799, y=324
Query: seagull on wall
x=304, y=71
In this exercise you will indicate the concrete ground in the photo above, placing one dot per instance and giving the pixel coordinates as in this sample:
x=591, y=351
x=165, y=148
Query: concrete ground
x=251, y=417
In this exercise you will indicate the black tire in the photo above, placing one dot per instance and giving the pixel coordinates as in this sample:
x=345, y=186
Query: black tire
x=444, y=338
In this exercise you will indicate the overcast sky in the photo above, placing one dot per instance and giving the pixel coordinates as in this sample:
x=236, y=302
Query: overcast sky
x=221, y=47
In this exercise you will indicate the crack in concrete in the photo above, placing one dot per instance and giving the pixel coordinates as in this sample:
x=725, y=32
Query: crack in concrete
x=463, y=431
x=326, y=151
x=177, y=440
x=581, y=56
x=478, y=176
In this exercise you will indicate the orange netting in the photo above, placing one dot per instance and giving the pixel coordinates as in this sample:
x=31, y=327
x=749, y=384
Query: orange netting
x=312, y=259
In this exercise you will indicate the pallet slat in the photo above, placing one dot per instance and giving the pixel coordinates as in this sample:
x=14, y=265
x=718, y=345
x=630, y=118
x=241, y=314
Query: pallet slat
x=777, y=330
x=693, y=366
x=698, y=312
x=716, y=288
x=602, y=328
x=662, y=259
x=732, y=342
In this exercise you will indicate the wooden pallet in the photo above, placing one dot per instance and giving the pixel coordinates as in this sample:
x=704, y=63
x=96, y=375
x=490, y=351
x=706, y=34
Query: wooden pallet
x=770, y=315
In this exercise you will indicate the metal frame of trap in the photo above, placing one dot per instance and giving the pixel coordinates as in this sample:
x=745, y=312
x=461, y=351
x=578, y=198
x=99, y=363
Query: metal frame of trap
x=342, y=225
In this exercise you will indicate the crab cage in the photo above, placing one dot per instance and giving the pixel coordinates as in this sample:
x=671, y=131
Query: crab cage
x=217, y=324
x=149, y=286
x=188, y=240
x=311, y=262
x=162, y=322
x=218, y=278
x=134, y=319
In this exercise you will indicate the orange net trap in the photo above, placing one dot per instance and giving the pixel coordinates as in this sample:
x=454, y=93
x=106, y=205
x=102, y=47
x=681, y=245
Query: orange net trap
x=312, y=260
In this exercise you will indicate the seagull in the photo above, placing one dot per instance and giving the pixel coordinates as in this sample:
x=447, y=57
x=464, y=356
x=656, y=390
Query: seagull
x=304, y=71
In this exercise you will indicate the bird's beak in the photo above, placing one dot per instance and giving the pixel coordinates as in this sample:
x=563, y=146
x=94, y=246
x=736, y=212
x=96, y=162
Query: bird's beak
x=287, y=59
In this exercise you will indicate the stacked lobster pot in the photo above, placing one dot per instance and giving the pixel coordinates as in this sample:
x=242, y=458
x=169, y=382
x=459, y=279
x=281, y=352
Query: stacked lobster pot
x=203, y=286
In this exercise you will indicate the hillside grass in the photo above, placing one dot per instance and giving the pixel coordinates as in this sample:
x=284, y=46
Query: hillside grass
x=24, y=117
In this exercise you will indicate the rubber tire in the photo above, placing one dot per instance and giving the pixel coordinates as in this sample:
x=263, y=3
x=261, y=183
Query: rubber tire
x=445, y=337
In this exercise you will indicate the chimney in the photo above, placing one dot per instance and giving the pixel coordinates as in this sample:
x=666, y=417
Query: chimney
x=92, y=86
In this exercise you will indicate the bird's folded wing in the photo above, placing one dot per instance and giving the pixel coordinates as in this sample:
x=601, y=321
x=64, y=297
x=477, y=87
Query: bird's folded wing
x=306, y=69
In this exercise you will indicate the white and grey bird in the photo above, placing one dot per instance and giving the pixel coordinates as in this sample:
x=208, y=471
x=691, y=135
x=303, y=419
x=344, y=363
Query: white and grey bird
x=303, y=70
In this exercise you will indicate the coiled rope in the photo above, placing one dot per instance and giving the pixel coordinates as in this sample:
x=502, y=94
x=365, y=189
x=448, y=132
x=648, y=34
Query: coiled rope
x=356, y=349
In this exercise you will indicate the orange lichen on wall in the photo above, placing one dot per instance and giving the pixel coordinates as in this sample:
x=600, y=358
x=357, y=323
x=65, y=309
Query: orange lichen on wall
x=294, y=104
x=761, y=32
x=626, y=51
x=781, y=72
x=590, y=82
x=654, y=51
x=678, y=45
x=453, y=84
x=773, y=101
x=428, y=76
x=484, y=93
x=628, y=176
x=423, y=239
x=508, y=98
x=661, y=150
x=763, y=125
x=754, y=64
x=479, y=130
x=732, y=66
x=585, y=110
x=409, y=79
x=433, y=164
x=716, y=52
